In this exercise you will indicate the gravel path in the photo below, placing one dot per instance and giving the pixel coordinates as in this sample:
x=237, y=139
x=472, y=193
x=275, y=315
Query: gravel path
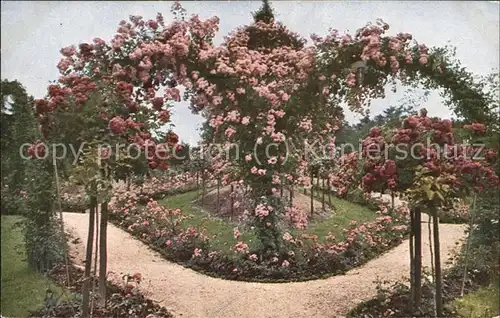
x=190, y=294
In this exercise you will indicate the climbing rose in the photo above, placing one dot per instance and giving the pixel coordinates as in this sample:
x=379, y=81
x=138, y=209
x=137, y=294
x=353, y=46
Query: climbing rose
x=476, y=128
x=117, y=125
x=37, y=150
x=158, y=103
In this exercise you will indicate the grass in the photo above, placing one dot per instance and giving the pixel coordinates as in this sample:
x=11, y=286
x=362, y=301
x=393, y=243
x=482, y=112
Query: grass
x=222, y=230
x=345, y=212
x=480, y=304
x=22, y=288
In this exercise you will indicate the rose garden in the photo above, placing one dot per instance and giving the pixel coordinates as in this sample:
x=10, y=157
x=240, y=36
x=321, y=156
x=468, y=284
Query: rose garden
x=269, y=205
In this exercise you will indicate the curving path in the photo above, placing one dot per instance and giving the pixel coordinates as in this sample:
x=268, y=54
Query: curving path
x=190, y=294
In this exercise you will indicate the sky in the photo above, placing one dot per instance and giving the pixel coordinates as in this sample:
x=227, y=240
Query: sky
x=32, y=33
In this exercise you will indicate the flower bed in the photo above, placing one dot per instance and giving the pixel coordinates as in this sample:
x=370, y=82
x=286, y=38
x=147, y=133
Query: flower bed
x=74, y=199
x=124, y=298
x=301, y=257
x=392, y=301
x=458, y=213
x=157, y=187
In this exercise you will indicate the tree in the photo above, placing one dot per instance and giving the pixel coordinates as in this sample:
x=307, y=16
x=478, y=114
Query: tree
x=265, y=13
x=437, y=172
x=389, y=119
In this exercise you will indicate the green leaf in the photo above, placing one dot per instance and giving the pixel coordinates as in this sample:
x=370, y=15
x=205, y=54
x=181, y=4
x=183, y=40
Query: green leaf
x=438, y=193
x=426, y=187
x=430, y=194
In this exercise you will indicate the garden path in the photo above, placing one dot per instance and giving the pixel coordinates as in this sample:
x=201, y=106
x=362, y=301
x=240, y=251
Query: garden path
x=190, y=294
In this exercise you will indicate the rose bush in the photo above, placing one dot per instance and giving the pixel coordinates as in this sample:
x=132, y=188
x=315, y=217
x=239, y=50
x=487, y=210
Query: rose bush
x=304, y=256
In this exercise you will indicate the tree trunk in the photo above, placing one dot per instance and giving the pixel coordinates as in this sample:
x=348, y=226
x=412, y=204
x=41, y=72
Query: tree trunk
x=329, y=192
x=437, y=265
x=94, y=273
x=202, y=187
x=218, y=194
x=312, y=194
x=66, y=247
x=281, y=187
x=418, y=257
x=323, y=194
x=103, y=254
x=312, y=202
x=96, y=255
x=318, y=188
x=291, y=196
x=431, y=250
x=412, y=260
x=466, y=256
x=88, y=259
x=392, y=199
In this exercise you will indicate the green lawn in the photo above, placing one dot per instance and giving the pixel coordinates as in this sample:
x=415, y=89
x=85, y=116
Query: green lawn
x=345, y=211
x=480, y=304
x=22, y=288
x=222, y=230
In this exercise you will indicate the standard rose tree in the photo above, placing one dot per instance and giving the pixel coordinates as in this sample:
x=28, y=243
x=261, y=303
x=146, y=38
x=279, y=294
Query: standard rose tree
x=423, y=162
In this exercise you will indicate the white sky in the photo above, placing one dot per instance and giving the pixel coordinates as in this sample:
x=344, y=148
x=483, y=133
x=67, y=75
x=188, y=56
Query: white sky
x=33, y=32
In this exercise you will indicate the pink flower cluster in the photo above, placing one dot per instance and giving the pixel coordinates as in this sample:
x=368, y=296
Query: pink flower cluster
x=263, y=210
x=343, y=175
x=297, y=217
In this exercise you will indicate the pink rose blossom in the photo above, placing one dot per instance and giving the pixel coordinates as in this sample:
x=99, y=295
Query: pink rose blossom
x=196, y=252
x=245, y=120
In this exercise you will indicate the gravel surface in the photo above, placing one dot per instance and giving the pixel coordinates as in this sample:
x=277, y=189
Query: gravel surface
x=190, y=294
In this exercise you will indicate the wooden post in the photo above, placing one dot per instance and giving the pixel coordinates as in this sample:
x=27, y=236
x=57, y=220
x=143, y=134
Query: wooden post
x=88, y=259
x=103, y=254
x=418, y=257
x=66, y=248
x=466, y=256
x=218, y=194
x=329, y=193
x=312, y=194
x=412, y=260
x=281, y=187
x=202, y=186
x=232, y=201
x=318, y=188
x=437, y=264
x=392, y=199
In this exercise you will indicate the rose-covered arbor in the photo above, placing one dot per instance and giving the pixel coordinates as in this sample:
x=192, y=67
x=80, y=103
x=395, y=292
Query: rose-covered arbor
x=259, y=88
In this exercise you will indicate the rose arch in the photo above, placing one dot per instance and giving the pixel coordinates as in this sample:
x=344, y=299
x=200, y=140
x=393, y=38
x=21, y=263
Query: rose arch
x=258, y=89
